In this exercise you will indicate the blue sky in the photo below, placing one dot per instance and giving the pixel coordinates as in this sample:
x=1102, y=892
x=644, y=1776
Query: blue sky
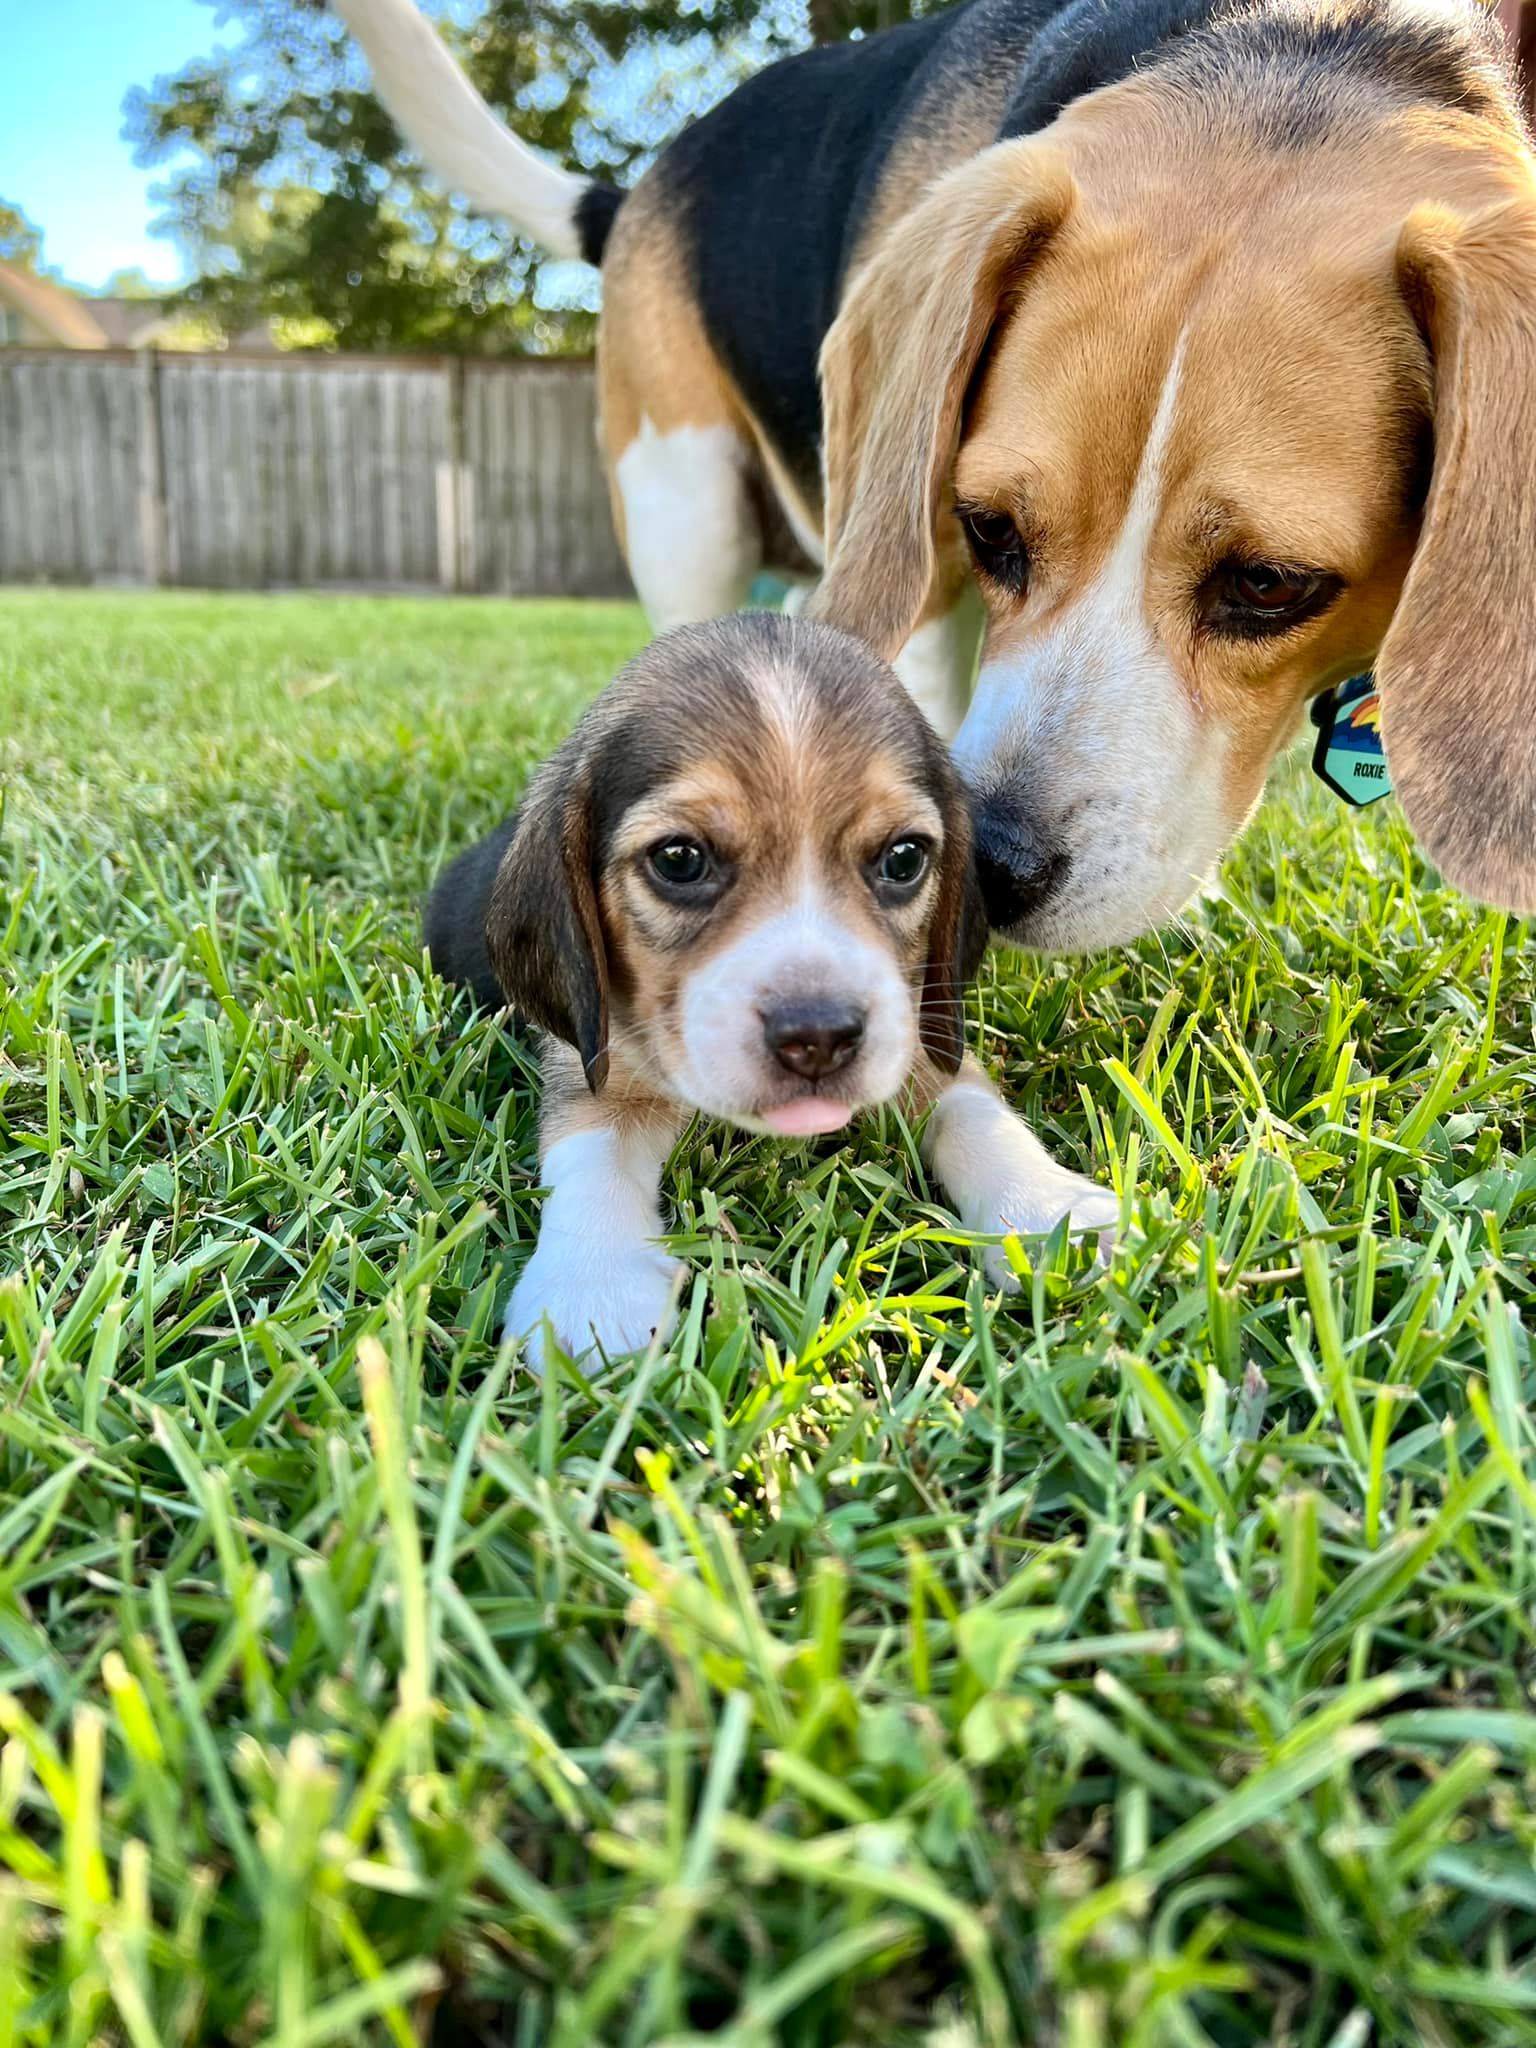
x=64, y=67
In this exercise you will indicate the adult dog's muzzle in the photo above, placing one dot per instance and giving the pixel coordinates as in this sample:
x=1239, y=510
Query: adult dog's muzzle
x=1020, y=869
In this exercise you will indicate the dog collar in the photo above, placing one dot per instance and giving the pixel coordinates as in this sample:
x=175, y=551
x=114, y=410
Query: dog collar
x=1348, y=755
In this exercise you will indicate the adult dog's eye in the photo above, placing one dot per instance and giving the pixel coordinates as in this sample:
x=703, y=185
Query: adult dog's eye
x=680, y=863
x=1250, y=599
x=903, y=864
x=1264, y=587
x=997, y=545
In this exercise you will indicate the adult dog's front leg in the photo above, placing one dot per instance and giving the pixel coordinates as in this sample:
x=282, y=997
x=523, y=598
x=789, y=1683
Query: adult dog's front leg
x=598, y=1274
x=999, y=1176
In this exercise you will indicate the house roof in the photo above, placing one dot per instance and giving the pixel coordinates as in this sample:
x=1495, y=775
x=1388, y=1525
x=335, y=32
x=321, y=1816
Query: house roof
x=127, y=323
x=53, y=307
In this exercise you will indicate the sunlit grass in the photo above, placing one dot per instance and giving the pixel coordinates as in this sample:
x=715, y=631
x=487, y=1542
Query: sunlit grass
x=1147, y=1660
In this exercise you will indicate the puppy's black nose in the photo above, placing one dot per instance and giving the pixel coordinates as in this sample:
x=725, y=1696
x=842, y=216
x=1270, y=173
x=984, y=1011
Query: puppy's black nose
x=813, y=1038
x=1018, y=867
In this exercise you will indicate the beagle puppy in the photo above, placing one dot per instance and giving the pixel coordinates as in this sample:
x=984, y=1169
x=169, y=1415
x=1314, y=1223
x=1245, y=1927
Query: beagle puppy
x=1198, y=336
x=743, y=887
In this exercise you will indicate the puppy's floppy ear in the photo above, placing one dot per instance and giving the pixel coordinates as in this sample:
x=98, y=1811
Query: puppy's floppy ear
x=1458, y=668
x=957, y=937
x=895, y=368
x=543, y=929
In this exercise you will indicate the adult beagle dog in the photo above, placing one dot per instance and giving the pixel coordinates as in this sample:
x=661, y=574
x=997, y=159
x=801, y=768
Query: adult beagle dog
x=1198, y=335
x=743, y=886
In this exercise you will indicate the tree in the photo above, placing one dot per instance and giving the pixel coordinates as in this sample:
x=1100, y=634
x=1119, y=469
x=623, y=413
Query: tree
x=20, y=242
x=131, y=284
x=298, y=199
x=833, y=21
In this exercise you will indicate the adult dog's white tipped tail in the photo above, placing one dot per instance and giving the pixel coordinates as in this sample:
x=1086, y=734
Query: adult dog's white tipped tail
x=445, y=119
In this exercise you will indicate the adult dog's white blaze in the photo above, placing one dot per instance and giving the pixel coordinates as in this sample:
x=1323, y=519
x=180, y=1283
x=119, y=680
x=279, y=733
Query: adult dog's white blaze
x=1094, y=725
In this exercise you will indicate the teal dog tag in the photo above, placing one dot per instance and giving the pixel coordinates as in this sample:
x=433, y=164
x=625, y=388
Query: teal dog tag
x=1348, y=755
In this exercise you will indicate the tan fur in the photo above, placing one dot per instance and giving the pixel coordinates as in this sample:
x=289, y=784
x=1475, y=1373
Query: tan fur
x=656, y=366
x=1458, y=670
x=895, y=367
x=789, y=753
x=779, y=811
x=629, y=1102
x=947, y=129
x=656, y=363
x=1010, y=340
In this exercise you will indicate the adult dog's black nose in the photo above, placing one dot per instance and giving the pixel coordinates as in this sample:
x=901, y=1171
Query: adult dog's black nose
x=1018, y=867
x=813, y=1038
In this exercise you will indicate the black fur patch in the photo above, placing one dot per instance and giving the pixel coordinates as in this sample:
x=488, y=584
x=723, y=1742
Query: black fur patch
x=773, y=186
x=1087, y=45
x=596, y=211
x=764, y=185
x=454, y=922
x=1304, y=70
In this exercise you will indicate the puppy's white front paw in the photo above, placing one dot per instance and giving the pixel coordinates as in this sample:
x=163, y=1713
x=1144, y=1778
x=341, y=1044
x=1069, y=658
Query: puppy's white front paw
x=614, y=1297
x=1001, y=1178
x=1032, y=1204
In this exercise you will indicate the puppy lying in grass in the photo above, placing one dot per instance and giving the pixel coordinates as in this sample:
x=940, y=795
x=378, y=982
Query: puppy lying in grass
x=743, y=886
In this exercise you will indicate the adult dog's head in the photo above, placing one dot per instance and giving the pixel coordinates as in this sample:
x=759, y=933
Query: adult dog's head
x=747, y=879
x=1229, y=383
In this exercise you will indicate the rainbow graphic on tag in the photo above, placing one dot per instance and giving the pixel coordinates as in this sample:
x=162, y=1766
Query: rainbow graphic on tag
x=1348, y=755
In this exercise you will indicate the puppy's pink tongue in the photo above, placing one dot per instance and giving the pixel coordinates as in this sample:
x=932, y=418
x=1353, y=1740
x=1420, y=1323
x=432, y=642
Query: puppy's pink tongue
x=805, y=1118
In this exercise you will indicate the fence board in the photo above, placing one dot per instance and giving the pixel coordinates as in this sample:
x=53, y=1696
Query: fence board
x=302, y=472
x=69, y=456
x=538, y=510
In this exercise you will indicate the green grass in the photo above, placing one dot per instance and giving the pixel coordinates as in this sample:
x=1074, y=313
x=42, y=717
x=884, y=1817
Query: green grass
x=1146, y=1660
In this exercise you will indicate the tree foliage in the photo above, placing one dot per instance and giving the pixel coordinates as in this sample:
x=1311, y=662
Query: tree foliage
x=20, y=242
x=295, y=197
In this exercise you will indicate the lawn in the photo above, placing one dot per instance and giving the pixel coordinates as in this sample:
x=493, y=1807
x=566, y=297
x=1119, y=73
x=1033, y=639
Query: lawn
x=1145, y=1659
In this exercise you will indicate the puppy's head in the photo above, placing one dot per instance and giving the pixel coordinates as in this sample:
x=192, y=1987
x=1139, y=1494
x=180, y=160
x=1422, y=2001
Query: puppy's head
x=749, y=873
x=1225, y=406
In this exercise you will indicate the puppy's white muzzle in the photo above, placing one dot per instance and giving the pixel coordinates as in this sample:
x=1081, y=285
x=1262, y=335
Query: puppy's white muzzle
x=795, y=1025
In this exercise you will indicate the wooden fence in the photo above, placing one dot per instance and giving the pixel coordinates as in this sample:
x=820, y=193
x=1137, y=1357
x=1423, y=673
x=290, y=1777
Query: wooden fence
x=301, y=472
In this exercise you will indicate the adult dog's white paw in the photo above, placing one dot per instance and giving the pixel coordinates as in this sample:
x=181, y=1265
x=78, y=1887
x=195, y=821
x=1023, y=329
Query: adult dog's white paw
x=614, y=1297
x=1032, y=1205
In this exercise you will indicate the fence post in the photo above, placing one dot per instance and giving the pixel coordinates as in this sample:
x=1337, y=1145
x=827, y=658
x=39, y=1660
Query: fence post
x=152, y=520
x=456, y=493
x=464, y=479
x=448, y=482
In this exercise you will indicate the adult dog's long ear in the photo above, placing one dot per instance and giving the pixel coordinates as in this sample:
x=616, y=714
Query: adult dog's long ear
x=1458, y=667
x=543, y=928
x=957, y=938
x=895, y=368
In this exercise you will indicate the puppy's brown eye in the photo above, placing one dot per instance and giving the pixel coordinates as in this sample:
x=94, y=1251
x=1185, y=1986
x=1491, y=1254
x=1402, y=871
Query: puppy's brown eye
x=997, y=545
x=680, y=863
x=903, y=864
